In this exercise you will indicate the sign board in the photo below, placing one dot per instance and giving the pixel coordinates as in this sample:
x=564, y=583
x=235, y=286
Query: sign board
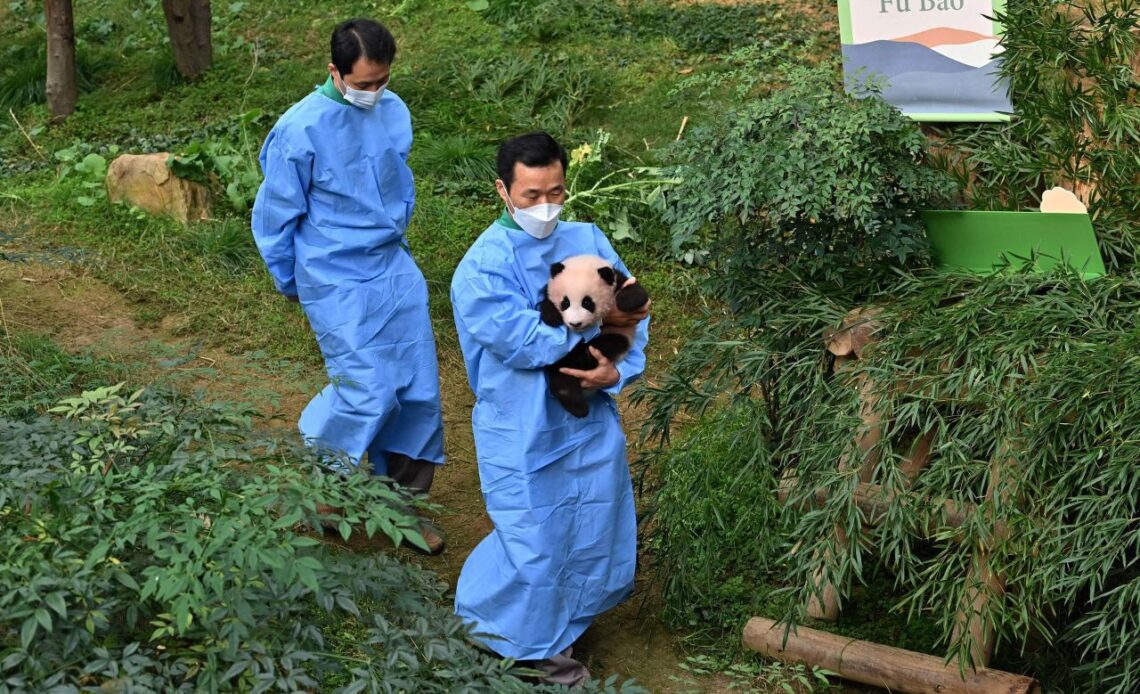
x=937, y=60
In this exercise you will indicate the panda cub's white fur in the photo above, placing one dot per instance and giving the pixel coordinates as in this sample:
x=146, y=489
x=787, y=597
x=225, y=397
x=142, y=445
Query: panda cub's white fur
x=580, y=293
x=583, y=290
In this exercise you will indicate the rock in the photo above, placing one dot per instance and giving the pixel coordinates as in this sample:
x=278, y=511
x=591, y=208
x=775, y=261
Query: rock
x=143, y=180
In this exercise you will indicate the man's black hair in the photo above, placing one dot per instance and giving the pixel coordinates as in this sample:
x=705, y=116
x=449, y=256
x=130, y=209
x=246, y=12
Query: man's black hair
x=532, y=149
x=361, y=37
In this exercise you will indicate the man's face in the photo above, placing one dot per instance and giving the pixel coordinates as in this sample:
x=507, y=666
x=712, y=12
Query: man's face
x=367, y=75
x=534, y=185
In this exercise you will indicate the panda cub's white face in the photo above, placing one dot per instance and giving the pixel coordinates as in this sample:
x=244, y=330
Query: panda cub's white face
x=583, y=290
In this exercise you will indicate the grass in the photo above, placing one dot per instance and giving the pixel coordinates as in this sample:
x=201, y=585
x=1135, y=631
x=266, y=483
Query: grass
x=38, y=372
x=464, y=98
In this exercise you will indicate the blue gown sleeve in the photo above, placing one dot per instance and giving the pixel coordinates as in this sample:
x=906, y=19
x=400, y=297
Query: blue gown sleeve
x=495, y=312
x=281, y=202
x=401, y=135
x=633, y=365
x=411, y=198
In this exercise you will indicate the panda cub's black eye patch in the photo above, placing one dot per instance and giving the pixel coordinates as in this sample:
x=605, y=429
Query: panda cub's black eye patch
x=588, y=304
x=565, y=303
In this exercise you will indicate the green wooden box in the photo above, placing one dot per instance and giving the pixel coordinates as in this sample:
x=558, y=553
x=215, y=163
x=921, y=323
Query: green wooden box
x=983, y=241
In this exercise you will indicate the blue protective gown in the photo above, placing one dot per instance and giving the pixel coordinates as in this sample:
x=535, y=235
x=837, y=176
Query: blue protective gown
x=557, y=488
x=329, y=221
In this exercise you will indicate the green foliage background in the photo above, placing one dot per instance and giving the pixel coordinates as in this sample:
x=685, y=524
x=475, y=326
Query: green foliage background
x=777, y=248
x=1034, y=369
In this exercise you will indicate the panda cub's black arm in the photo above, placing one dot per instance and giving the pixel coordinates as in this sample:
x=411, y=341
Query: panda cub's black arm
x=629, y=298
x=548, y=312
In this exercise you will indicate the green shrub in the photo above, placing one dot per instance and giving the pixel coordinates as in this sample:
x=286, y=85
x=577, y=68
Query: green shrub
x=227, y=164
x=623, y=200
x=152, y=544
x=805, y=179
x=37, y=373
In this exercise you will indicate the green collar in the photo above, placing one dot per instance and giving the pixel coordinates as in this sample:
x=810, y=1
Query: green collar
x=329, y=89
x=508, y=221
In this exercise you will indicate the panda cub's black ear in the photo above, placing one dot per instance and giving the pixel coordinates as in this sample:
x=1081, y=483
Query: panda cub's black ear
x=556, y=268
x=608, y=275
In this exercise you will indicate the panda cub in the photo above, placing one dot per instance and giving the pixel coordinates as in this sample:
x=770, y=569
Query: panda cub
x=582, y=290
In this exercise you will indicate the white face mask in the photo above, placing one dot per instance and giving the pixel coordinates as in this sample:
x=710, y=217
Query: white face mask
x=538, y=221
x=361, y=98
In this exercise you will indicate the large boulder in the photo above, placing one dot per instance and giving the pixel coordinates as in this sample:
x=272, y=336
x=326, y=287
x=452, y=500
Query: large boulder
x=143, y=180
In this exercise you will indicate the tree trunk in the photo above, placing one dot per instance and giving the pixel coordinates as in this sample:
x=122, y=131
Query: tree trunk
x=189, y=25
x=60, y=83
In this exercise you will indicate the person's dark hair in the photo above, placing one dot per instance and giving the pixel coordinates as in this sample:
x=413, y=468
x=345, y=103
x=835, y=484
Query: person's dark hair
x=361, y=37
x=532, y=149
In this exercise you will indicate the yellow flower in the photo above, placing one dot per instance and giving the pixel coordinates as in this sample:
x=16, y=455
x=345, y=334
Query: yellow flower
x=579, y=155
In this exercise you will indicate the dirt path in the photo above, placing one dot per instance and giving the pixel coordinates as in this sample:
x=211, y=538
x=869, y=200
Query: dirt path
x=82, y=314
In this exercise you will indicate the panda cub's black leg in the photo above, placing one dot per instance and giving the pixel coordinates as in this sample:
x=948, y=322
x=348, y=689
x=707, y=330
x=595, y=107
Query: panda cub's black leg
x=612, y=345
x=568, y=389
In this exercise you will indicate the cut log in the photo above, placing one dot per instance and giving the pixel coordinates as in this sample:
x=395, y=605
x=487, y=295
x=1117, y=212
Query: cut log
x=918, y=457
x=893, y=669
x=857, y=330
x=824, y=604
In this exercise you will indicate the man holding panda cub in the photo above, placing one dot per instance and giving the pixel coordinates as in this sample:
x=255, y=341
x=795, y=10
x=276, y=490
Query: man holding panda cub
x=557, y=487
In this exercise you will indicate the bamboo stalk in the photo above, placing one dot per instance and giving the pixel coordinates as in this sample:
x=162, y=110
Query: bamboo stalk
x=891, y=668
x=982, y=584
x=825, y=603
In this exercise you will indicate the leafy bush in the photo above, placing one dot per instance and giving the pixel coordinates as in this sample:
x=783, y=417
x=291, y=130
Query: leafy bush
x=90, y=170
x=1073, y=71
x=151, y=544
x=712, y=488
x=37, y=373
x=1039, y=370
x=619, y=199
x=224, y=165
x=806, y=179
x=1043, y=372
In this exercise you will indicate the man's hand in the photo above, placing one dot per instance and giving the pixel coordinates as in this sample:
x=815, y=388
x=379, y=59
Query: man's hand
x=603, y=375
x=620, y=319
